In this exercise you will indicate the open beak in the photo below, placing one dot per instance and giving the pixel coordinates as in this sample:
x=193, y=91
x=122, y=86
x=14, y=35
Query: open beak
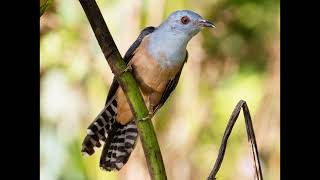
x=205, y=23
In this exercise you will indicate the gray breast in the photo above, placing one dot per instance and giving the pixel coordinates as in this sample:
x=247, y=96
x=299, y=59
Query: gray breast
x=167, y=48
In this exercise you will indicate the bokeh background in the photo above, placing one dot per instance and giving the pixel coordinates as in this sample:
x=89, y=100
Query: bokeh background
x=237, y=60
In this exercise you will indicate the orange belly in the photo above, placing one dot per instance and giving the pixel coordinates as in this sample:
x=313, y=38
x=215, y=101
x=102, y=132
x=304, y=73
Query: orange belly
x=152, y=80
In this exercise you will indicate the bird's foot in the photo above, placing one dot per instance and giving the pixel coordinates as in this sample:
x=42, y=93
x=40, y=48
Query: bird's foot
x=128, y=68
x=149, y=116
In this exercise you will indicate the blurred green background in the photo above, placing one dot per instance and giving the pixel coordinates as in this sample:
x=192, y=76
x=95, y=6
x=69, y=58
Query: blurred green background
x=237, y=60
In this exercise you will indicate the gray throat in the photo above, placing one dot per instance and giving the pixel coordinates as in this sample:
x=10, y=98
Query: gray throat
x=168, y=46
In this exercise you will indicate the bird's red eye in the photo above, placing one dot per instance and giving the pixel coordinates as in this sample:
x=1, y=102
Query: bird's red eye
x=185, y=20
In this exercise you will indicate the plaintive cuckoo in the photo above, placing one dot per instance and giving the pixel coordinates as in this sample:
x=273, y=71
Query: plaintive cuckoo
x=156, y=60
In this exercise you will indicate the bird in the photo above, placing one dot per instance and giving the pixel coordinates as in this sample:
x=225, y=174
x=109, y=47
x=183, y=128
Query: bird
x=156, y=59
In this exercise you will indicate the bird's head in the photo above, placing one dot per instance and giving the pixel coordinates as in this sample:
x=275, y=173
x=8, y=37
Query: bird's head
x=172, y=36
x=186, y=22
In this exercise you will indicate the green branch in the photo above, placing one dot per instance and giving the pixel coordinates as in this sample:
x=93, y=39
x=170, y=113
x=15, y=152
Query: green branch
x=128, y=84
x=44, y=4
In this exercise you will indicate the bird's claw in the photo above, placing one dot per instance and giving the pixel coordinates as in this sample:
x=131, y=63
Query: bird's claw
x=128, y=68
x=150, y=114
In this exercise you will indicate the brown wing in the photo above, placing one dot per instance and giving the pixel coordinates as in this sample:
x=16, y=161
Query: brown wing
x=127, y=57
x=170, y=87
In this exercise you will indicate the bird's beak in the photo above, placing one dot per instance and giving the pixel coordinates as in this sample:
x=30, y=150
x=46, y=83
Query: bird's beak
x=205, y=23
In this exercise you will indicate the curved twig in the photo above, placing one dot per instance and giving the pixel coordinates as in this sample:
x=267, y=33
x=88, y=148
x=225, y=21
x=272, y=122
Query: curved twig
x=251, y=138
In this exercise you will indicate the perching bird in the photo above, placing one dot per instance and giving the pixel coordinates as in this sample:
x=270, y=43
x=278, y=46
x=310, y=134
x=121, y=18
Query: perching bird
x=156, y=60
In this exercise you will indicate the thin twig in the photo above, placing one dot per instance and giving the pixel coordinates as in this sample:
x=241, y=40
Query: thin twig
x=128, y=84
x=251, y=139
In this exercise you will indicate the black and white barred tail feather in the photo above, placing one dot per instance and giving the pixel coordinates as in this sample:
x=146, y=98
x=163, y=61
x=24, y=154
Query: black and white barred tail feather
x=119, y=139
x=99, y=128
x=120, y=144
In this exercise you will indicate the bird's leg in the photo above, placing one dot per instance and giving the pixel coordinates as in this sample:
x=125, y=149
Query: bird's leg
x=150, y=114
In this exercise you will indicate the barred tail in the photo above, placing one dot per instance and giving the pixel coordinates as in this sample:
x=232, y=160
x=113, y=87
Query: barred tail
x=100, y=128
x=119, y=146
x=119, y=139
